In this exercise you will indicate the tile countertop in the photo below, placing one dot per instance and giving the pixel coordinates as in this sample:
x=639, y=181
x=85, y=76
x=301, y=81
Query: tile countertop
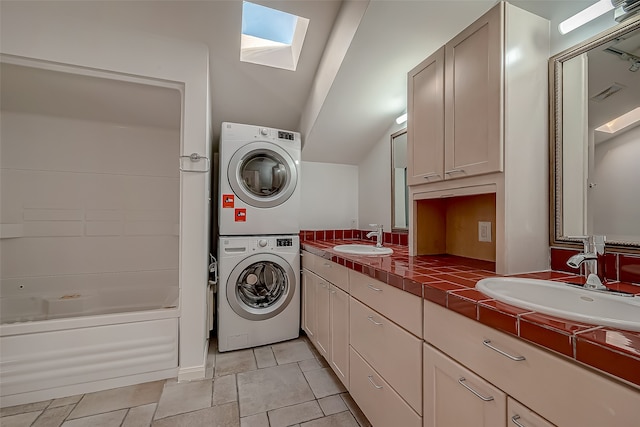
x=449, y=281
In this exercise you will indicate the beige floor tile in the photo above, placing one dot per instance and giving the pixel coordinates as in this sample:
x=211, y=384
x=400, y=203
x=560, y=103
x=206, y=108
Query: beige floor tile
x=323, y=382
x=355, y=410
x=224, y=390
x=178, y=398
x=64, y=401
x=294, y=414
x=234, y=362
x=218, y=416
x=292, y=351
x=110, y=419
x=343, y=419
x=332, y=404
x=211, y=359
x=21, y=409
x=19, y=420
x=117, y=398
x=272, y=388
x=309, y=364
x=140, y=416
x=264, y=357
x=257, y=420
x=53, y=417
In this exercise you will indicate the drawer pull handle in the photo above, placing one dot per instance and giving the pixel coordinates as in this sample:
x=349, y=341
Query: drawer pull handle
x=515, y=419
x=462, y=380
x=430, y=175
x=487, y=343
x=326, y=264
x=452, y=171
x=373, y=321
x=374, y=384
x=373, y=288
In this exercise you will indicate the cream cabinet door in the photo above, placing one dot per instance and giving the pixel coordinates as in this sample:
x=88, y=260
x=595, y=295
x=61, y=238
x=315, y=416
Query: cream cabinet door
x=339, y=325
x=425, y=126
x=519, y=415
x=323, y=330
x=309, y=302
x=456, y=397
x=473, y=98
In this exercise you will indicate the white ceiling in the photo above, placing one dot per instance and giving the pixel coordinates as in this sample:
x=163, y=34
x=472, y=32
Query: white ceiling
x=369, y=90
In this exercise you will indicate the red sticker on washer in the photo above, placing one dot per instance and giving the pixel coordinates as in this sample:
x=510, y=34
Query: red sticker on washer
x=241, y=215
x=227, y=200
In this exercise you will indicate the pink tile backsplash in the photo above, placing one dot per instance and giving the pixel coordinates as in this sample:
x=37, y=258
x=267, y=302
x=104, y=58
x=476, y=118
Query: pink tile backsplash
x=395, y=238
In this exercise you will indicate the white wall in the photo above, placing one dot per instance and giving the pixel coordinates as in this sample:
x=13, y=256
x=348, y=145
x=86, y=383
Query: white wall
x=91, y=45
x=91, y=216
x=329, y=197
x=616, y=198
x=374, y=181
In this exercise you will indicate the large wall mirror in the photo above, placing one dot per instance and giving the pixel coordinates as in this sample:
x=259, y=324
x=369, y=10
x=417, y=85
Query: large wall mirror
x=399, y=191
x=595, y=139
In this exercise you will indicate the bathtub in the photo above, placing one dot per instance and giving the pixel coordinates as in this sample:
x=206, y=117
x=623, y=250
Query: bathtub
x=72, y=343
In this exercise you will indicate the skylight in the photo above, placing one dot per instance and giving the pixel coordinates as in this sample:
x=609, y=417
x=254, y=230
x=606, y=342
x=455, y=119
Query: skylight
x=271, y=37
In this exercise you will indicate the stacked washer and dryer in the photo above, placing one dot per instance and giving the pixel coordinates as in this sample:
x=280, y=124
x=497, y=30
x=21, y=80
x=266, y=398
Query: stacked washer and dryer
x=259, y=246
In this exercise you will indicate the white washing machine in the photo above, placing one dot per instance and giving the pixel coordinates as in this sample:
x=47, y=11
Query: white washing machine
x=259, y=181
x=258, y=290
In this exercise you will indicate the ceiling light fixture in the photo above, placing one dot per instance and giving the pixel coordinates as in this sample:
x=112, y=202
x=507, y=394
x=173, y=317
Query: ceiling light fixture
x=589, y=14
x=621, y=122
x=403, y=118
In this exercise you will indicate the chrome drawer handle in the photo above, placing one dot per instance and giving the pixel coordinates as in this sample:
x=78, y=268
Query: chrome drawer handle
x=452, y=171
x=373, y=288
x=326, y=264
x=487, y=343
x=462, y=380
x=373, y=321
x=374, y=384
x=430, y=175
x=515, y=419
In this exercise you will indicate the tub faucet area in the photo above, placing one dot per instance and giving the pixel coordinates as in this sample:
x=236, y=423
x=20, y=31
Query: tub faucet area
x=377, y=233
x=593, y=259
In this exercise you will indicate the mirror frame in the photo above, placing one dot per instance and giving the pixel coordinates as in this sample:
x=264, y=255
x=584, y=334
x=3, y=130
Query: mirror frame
x=393, y=186
x=555, y=134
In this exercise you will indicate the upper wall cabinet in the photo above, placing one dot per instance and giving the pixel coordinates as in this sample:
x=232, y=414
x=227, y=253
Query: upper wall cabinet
x=455, y=107
x=478, y=124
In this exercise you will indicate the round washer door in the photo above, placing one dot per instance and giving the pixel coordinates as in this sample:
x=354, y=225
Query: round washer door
x=262, y=174
x=260, y=286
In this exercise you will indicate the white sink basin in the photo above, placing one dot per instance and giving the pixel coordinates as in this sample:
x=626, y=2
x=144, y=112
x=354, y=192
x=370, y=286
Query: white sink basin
x=559, y=299
x=362, y=250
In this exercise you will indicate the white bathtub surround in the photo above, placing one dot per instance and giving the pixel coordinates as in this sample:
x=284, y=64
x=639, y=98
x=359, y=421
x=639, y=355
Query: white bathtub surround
x=108, y=356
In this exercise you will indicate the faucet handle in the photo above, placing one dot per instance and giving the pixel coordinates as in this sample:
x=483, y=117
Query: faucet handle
x=599, y=244
x=586, y=241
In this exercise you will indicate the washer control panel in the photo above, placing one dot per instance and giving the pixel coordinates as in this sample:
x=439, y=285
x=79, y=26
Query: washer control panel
x=284, y=242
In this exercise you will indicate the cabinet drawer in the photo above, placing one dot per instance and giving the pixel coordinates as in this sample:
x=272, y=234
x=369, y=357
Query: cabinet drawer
x=328, y=270
x=520, y=415
x=308, y=260
x=455, y=396
x=379, y=402
x=540, y=380
x=392, y=351
x=404, y=308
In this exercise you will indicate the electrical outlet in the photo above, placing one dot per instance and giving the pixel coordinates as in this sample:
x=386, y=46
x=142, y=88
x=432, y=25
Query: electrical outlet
x=484, y=231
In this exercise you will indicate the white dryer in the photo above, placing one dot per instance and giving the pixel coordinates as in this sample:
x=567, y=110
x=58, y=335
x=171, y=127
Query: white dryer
x=259, y=181
x=258, y=290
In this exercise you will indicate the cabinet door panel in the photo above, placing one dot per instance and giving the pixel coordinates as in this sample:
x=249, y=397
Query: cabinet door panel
x=323, y=330
x=456, y=397
x=309, y=301
x=473, y=98
x=340, y=334
x=425, y=128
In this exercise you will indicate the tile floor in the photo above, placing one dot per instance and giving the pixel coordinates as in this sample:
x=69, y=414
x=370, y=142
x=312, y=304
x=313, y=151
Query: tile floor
x=284, y=384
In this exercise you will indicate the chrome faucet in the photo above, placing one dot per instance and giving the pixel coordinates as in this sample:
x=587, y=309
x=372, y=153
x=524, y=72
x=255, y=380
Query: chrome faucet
x=378, y=233
x=593, y=259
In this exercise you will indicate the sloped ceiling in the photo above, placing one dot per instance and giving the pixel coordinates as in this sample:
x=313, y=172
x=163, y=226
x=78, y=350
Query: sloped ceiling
x=369, y=88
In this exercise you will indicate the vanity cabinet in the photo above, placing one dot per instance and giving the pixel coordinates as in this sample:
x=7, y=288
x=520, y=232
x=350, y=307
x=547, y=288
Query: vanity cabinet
x=386, y=351
x=555, y=390
x=478, y=125
x=325, y=311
